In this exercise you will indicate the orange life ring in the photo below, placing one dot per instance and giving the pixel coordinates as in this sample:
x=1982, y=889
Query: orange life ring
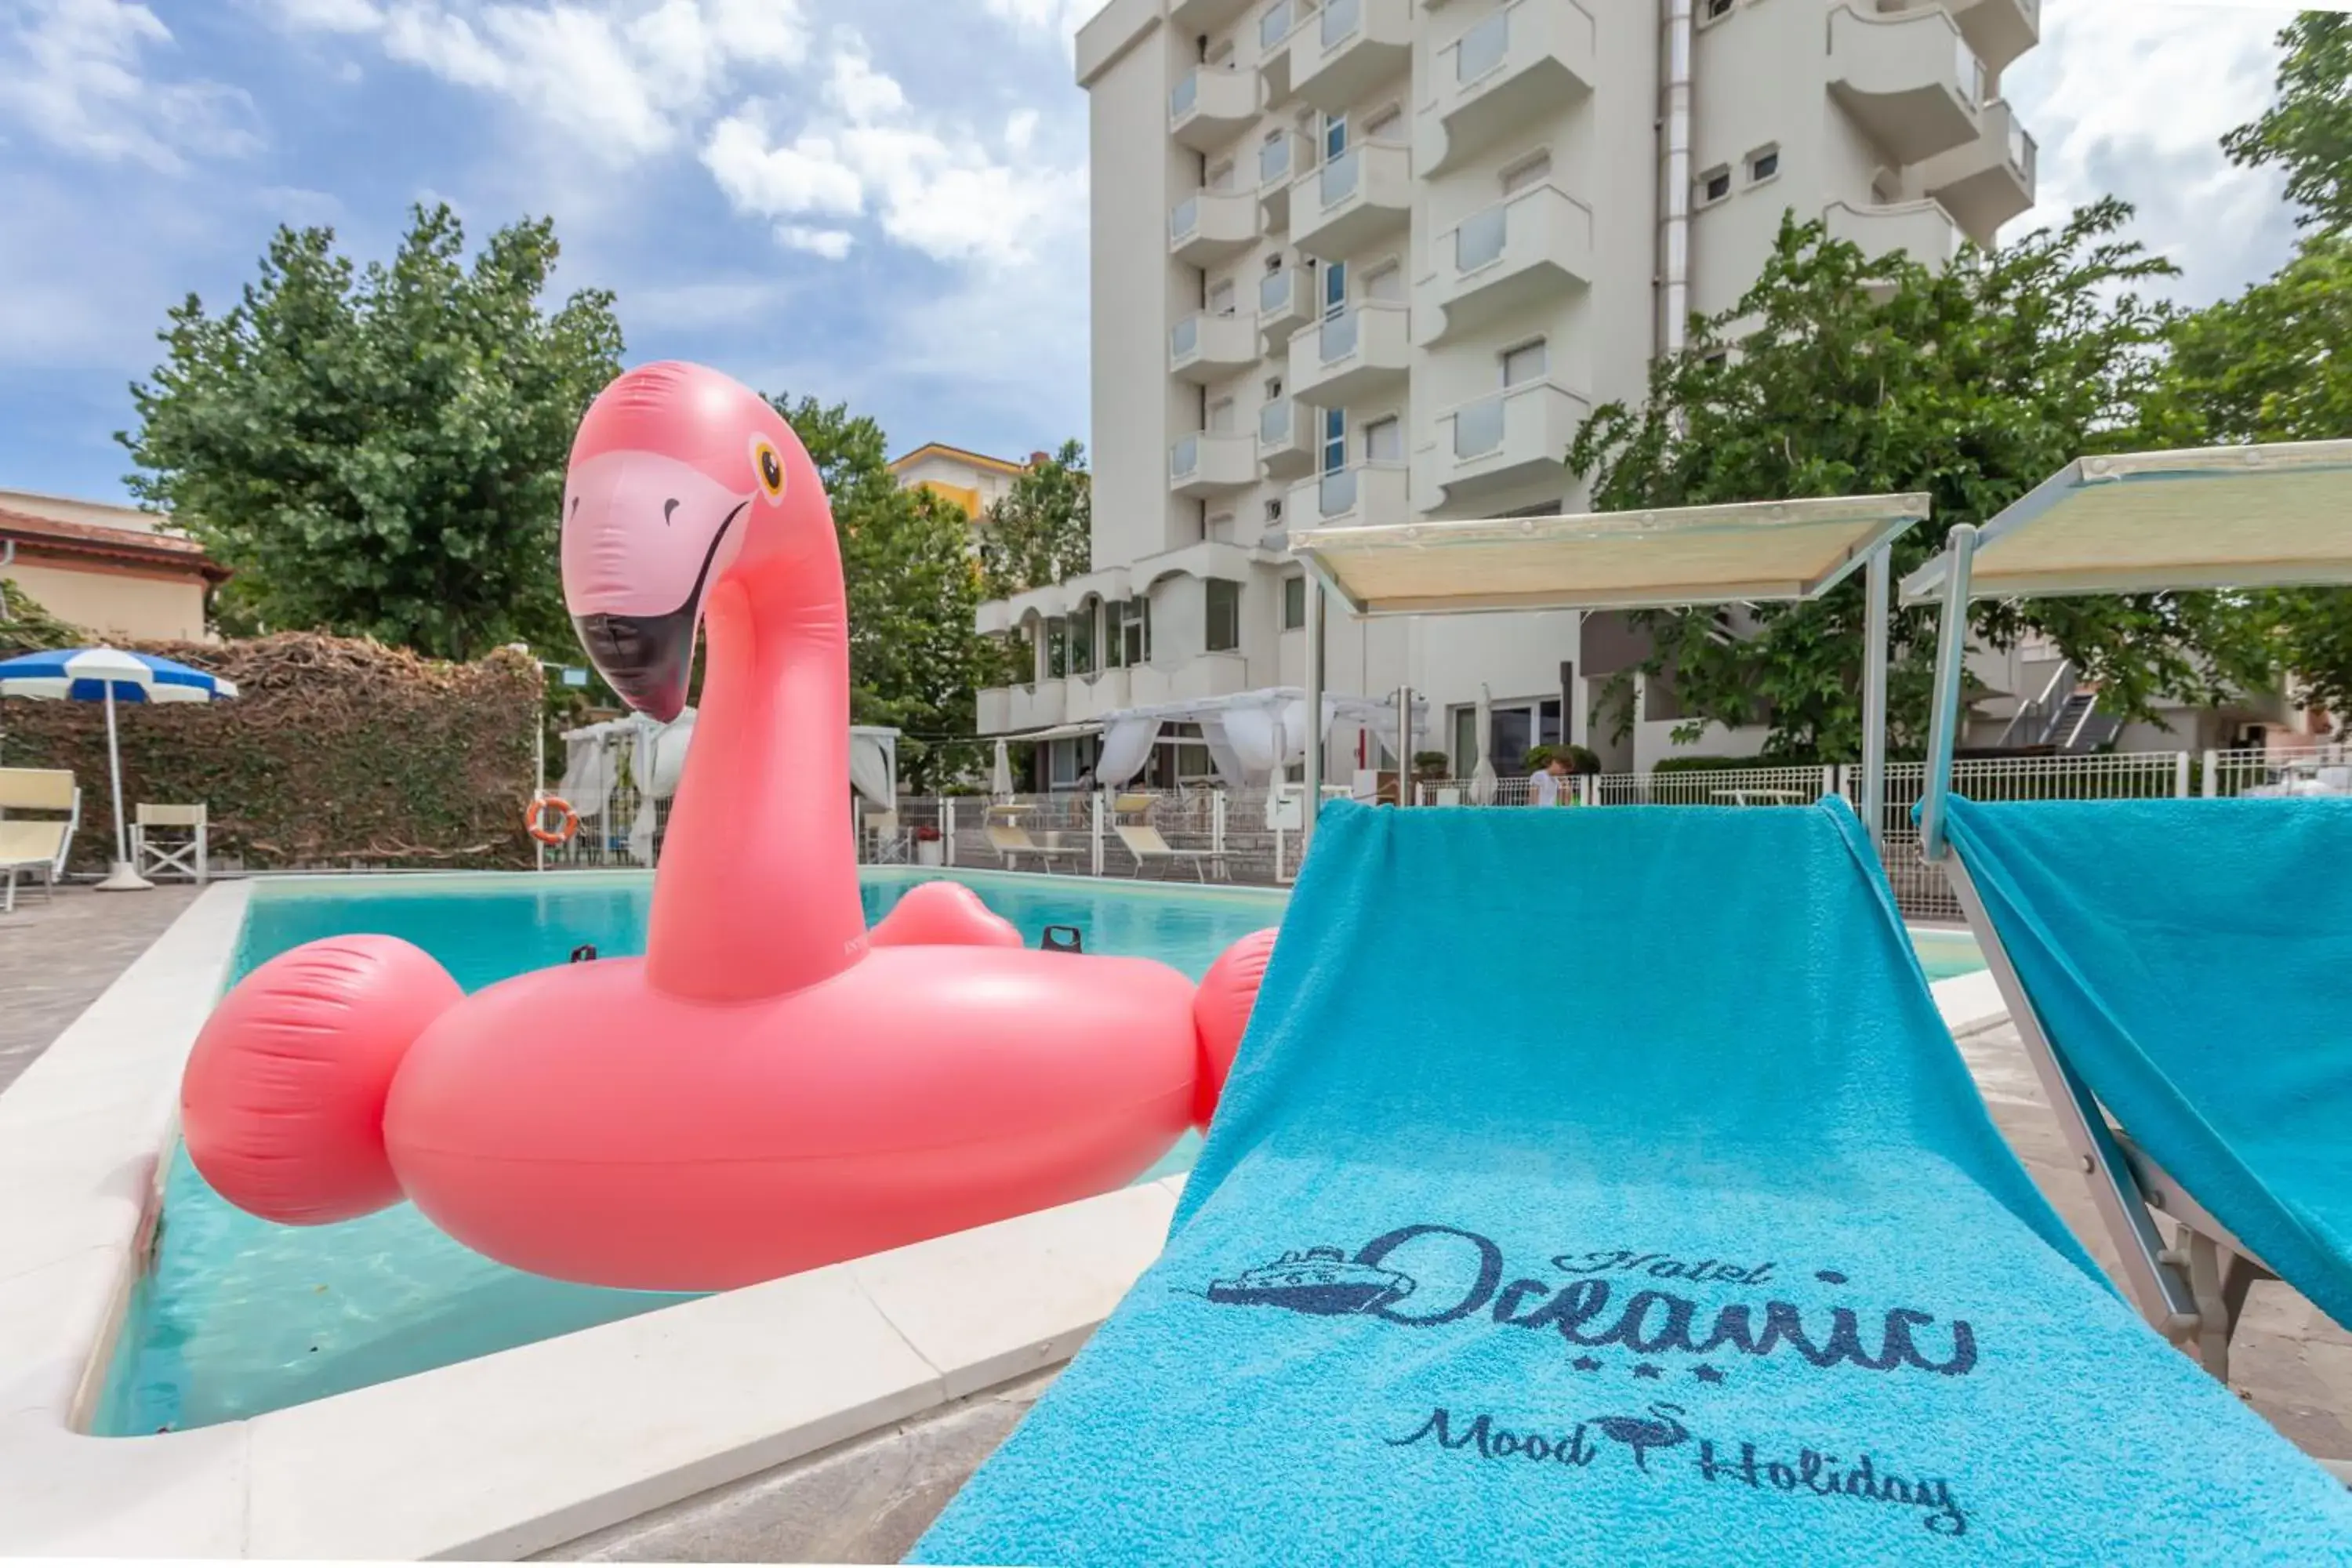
x=534, y=820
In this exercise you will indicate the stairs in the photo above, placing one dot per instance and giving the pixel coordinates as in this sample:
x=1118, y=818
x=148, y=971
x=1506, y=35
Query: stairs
x=2065, y=719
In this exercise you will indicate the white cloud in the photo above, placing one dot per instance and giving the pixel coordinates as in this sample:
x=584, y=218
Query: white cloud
x=806, y=176
x=331, y=16
x=1020, y=129
x=72, y=72
x=833, y=244
x=1051, y=18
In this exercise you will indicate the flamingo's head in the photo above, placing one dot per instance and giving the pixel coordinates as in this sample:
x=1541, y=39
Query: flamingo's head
x=680, y=478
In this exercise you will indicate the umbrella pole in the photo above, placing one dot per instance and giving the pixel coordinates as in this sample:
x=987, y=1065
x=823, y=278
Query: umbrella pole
x=122, y=876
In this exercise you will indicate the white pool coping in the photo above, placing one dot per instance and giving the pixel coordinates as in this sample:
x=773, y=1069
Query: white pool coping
x=508, y=1454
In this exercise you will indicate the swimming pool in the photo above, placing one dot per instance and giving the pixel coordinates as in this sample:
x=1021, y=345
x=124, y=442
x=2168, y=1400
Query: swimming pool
x=238, y=1316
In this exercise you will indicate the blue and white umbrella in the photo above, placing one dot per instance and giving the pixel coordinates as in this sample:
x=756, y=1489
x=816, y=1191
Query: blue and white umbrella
x=109, y=675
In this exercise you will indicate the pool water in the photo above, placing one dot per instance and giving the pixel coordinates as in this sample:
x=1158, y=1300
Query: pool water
x=239, y=1316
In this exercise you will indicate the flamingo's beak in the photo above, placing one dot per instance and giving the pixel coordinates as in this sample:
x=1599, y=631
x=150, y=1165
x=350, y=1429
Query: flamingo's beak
x=645, y=536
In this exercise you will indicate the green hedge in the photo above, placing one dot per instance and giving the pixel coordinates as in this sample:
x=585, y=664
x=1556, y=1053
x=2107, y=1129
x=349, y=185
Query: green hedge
x=334, y=752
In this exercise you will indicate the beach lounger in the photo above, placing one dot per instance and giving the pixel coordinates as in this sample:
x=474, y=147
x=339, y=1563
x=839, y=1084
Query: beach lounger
x=2186, y=965
x=1151, y=847
x=1012, y=841
x=1687, y=1241
x=36, y=845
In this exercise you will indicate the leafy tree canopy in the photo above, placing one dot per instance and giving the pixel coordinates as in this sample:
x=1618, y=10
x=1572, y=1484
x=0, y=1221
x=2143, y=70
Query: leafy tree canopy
x=2307, y=130
x=1043, y=532
x=1842, y=375
x=379, y=451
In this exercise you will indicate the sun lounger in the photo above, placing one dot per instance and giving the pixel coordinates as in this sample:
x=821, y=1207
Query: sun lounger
x=1012, y=842
x=1131, y=821
x=1688, y=1241
x=36, y=845
x=2184, y=964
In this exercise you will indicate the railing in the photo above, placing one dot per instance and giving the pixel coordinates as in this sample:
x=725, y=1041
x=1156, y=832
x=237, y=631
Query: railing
x=1335, y=492
x=1274, y=27
x=1341, y=20
x=1183, y=219
x=1184, y=95
x=1478, y=428
x=1340, y=178
x=1337, y=338
x=1482, y=49
x=2308, y=770
x=1276, y=290
x=1185, y=337
x=2020, y=149
x=1971, y=79
x=1274, y=160
x=1184, y=458
x=1481, y=237
x=1274, y=423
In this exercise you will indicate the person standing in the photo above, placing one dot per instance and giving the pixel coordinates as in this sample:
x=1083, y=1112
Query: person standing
x=1544, y=783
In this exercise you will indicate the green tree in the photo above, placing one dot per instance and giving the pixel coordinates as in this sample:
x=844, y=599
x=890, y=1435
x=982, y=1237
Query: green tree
x=2270, y=365
x=2308, y=130
x=380, y=451
x=1043, y=530
x=906, y=556
x=1842, y=375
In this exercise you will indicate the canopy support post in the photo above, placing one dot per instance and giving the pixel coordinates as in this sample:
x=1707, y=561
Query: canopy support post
x=122, y=876
x=1314, y=801
x=1951, y=661
x=1874, y=699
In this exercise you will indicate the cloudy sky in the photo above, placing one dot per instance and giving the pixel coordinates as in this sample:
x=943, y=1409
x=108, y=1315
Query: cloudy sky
x=881, y=201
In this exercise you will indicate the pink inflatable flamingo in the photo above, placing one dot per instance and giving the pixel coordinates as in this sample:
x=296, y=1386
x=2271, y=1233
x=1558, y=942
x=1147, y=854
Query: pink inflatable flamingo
x=772, y=1087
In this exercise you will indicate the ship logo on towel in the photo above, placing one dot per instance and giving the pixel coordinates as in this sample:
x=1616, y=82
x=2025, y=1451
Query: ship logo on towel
x=1319, y=1281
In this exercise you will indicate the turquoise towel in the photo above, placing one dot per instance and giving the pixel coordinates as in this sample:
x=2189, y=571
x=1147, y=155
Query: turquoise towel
x=1602, y=1186
x=2192, y=962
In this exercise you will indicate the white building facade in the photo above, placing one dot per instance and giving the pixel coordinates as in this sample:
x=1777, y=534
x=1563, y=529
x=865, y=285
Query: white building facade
x=1374, y=262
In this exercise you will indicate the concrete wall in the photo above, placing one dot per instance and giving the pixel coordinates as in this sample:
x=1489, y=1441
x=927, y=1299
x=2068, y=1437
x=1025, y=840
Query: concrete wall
x=117, y=602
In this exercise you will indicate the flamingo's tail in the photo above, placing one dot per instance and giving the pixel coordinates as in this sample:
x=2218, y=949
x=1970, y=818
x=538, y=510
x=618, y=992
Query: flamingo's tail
x=281, y=1105
x=1220, y=1015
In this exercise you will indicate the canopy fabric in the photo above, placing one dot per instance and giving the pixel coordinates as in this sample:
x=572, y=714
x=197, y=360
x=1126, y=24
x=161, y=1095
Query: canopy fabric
x=656, y=756
x=2212, y=517
x=1251, y=736
x=999, y=776
x=1601, y=561
x=874, y=766
x=89, y=674
x=1481, y=777
x=591, y=765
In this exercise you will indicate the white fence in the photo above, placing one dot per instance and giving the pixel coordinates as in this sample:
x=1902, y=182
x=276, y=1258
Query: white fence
x=1079, y=833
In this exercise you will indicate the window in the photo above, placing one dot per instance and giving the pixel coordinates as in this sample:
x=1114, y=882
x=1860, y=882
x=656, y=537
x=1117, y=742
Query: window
x=1272, y=389
x=1225, y=632
x=1220, y=297
x=1763, y=164
x=1715, y=184
x=1335, y=135
x=1274, y=512
x=1385, y=282
x=1526, y=174
x=1294, y=604
x=1385, y=440
x=1274, y=258
x=1334, y=439
x=1335, y=287
x=1382, y=126
x=1715, y=9
x=1083, y=651
x=1114, y=638
x=1529, y=361
x=1138, y=629
x=1057, y=648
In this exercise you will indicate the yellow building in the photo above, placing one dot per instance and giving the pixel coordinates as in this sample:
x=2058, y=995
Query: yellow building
x=970, y=480
x=119, y=571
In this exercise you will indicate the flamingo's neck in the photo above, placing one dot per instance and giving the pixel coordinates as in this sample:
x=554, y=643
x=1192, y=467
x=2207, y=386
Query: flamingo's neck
x=756, y=894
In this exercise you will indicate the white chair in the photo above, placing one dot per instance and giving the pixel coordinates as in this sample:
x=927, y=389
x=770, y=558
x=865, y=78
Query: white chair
x=181, y=852
x=1012, y=841
x=35, y=843
x=1151, y=847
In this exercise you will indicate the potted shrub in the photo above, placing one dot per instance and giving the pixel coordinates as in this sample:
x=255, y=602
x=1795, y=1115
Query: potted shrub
x=1431, y=766
x=928, y=851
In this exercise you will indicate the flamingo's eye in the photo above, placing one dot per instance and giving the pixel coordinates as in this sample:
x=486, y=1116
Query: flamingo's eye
x=769, y=464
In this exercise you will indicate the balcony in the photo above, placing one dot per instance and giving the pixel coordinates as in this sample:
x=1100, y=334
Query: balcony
x=1285, y=439
x=994, y=704
x=1348, y=356
x=1922, y=230
x=1350, y=498
x=1275, y=24
x=1203, y=348
x=1279, y=164
x=1348, y=48
x=1363, y=195
x=1285, y=303
x=1211, y=105
x=1190, y=18
x=1526, y=60
x=1506, y=440
x=1987, y=182
x=1037, y=707
x=1212, y=464
x=1500, y=261
x=1910, y=80
x=1210, y=227
x=1998, y=30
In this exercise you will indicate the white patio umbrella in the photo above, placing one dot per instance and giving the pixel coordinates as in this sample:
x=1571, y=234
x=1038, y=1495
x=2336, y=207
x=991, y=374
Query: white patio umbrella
x=1481, y=777
x=1000, y=782
x=109, y=675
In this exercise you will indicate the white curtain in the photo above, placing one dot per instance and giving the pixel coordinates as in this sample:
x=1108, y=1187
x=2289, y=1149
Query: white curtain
x=588, y=772
x=1229, y=764
x=1128, y=739
x=869, y=771
x=1253, y=735
x=1000, y=782
x=1481, y=777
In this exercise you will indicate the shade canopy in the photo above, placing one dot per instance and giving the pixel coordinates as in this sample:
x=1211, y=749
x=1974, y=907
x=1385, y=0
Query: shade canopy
x=1752, y=551
x=93, y=674
x=2214, y=517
